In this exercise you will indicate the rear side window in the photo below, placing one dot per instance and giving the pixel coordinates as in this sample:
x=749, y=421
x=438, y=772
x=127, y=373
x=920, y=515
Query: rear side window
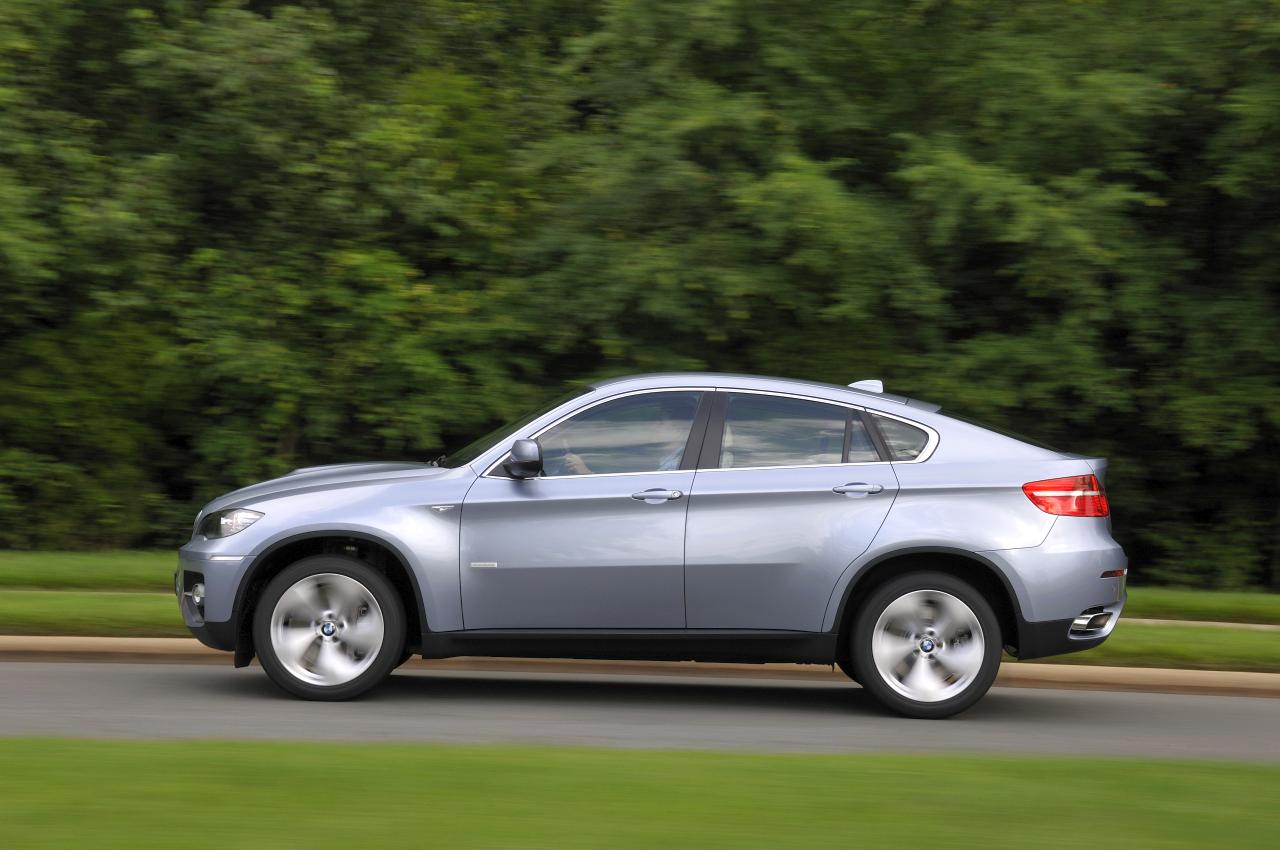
x=905, y=442
x=761, y=430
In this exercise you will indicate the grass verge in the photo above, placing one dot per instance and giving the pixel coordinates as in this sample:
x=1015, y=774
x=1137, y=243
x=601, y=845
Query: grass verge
x=120, y=570
x=56, y=793
x=1192, y=647
x=82, y=612
x=1176, y=603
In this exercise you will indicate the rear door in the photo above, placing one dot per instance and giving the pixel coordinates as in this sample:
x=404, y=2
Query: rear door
x=789, y=491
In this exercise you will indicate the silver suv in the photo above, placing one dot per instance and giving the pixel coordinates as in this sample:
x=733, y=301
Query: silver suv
x=693, y=517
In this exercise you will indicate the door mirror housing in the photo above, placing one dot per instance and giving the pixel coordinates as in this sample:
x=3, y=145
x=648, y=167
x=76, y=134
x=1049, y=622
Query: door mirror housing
x=525, y=460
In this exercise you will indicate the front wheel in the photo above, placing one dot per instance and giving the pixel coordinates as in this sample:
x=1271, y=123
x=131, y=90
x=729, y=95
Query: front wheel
x=926, y=645
x=329, y=628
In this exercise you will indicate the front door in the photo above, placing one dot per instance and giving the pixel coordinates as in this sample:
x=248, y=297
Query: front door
x=597, y=541
x=795, y=491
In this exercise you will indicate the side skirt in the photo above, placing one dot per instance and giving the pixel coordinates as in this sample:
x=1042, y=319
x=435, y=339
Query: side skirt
x=743, y=647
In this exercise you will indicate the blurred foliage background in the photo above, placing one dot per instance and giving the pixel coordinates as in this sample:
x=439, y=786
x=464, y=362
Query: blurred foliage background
x=237, y=238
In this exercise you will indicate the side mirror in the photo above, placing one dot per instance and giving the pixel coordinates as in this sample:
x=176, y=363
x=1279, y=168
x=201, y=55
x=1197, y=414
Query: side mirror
x=525, y=460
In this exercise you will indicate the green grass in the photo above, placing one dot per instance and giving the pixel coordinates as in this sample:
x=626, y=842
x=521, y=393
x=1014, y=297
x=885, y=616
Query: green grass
x=80, y=612
x=1173, y=603
x=1190, y=646
x=143, y=571
x=240, y=795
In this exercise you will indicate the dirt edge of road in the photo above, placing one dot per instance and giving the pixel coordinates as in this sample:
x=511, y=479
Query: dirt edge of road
x=1018, y=675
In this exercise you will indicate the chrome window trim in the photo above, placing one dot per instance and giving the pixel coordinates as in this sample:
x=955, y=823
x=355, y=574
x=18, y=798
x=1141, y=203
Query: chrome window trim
x=594, y=475
x=795, y=466
x=930, y=445
x=535, y=435
x=781, y=394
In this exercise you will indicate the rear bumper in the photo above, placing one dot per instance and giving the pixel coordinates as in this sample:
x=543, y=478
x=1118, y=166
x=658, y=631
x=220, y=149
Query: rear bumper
x=1077, y=571
x=1042, y=638
x=1072, y=570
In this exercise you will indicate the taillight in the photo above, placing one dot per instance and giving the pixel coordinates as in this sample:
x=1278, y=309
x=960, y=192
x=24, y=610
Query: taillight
x=1075, y=495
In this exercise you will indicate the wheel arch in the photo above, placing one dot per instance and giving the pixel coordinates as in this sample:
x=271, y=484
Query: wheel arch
x=377, y=552
x=972, y=567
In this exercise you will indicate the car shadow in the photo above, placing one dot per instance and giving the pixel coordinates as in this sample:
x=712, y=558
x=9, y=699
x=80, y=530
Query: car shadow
x=425, y=688
x=1000, y=705
x=629, y=690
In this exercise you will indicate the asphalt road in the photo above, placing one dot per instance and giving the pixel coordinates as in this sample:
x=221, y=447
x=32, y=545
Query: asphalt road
x=175, y=701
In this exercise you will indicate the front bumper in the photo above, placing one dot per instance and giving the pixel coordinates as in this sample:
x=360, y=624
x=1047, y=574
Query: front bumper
x=213, y=622
x=221, y=636
x=213, y=634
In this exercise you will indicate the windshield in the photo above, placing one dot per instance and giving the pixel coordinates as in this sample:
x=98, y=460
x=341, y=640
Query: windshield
x=477, y=447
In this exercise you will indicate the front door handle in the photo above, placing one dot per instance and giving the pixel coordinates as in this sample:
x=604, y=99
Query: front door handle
x=656, y=496
x=857, y=489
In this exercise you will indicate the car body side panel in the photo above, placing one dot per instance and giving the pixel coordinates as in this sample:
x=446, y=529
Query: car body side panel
x=975, y=506
x=764, y=546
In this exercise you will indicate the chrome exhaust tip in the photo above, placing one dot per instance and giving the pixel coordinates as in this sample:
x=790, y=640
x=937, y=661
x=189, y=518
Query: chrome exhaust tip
x=1090, y=622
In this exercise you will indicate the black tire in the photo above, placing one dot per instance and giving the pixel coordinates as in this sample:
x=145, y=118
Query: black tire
x=876, y=683
x=386, y=656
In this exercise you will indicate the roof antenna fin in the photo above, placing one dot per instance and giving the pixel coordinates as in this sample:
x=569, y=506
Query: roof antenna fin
x=870, y=385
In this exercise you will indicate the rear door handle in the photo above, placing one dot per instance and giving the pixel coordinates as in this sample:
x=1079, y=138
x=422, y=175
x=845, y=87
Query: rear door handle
x=857, y=489
x=656, y=496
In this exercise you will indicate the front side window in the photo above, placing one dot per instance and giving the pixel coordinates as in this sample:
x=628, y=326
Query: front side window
x=639, y=433
x=762, y=430
x=905, y=442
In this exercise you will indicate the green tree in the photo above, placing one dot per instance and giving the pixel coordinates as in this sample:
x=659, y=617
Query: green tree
x=240, y=237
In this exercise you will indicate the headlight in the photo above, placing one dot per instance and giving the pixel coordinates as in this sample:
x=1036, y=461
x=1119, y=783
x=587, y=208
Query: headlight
x=227, y=523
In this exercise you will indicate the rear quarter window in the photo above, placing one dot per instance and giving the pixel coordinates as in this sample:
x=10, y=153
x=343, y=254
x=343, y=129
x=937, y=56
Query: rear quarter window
x=905, y=442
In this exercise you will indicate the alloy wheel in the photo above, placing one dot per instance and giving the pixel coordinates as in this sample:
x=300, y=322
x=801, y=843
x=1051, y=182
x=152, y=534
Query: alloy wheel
x=928, y=645
x=327, y=629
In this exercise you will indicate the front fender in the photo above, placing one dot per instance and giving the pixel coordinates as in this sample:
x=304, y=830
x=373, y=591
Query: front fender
x=425, y=541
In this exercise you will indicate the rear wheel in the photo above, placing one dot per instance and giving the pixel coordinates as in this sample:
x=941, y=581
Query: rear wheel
x=329, y=628
x=926, y=645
